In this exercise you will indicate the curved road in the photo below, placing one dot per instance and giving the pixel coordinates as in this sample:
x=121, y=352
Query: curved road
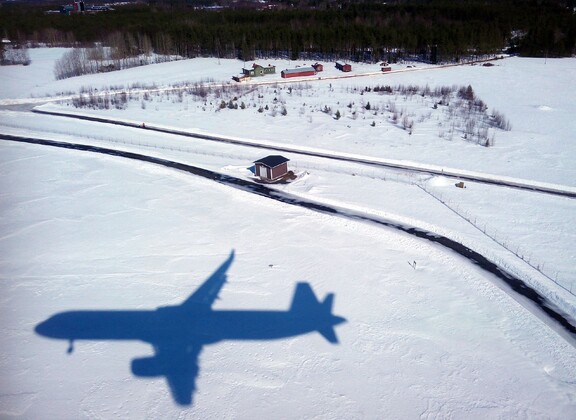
x=518, y=184
x=512, y=284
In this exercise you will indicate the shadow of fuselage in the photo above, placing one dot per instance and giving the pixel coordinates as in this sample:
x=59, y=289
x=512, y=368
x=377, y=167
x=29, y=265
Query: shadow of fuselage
x=178, y=333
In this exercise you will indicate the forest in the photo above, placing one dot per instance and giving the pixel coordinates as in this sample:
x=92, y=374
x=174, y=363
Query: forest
x=434, y=31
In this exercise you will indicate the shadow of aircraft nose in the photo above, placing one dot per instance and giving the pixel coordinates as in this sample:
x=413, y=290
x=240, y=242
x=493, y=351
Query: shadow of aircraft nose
x=42, y=329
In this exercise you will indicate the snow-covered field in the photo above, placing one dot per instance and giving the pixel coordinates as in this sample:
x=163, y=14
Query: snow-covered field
x=80, y=231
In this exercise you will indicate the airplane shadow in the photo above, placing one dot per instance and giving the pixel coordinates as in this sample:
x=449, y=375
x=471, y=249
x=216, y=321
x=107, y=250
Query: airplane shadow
x=179, y=333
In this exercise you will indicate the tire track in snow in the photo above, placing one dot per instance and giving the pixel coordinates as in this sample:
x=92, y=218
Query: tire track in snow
x=534, y=301
x=480, y=178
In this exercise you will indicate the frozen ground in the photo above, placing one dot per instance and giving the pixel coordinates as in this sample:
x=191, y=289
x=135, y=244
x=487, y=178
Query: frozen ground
x=80, y=231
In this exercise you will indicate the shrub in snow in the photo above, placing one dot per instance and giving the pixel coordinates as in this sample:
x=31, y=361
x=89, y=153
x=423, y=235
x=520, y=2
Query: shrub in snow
x=500, y=121
x=407, y=123
x=466, y=93
x=462, y=114
x=15, y=56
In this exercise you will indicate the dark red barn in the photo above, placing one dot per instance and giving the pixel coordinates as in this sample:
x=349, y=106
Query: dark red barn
x=298, y=72
x=343, y=66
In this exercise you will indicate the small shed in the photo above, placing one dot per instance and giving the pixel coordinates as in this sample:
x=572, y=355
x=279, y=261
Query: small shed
x=271, y=167
x=298, y=72
x=318, y=67
x=345, y=67
x=460, y=184
x=241, y=78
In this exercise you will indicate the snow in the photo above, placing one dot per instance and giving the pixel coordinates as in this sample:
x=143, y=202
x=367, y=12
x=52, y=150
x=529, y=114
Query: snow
x=80, y=231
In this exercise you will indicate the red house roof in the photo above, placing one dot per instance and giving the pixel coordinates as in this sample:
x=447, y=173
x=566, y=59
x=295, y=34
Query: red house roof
x=304, y=71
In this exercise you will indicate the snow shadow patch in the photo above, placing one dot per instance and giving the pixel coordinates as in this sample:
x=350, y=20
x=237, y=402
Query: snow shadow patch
x=179, y=333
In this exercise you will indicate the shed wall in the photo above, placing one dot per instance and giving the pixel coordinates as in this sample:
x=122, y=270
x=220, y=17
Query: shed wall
x=279, y=170
x=262, y=171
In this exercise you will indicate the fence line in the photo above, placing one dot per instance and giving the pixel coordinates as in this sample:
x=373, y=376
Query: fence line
x=493, y=235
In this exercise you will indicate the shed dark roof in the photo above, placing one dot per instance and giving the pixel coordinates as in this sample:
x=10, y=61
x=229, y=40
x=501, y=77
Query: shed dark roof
x=272, y=161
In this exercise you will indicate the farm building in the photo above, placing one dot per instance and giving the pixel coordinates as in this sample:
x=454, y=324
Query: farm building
x=298, y=72
x=386, y=68
x=75, y=7
x=258, y=70
x=271, y=167
x=318, y=67
x=241, y=78
x=343, y=66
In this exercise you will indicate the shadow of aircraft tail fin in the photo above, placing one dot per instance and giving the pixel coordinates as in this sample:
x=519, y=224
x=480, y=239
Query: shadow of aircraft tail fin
x=304, y=300
x=306, y=304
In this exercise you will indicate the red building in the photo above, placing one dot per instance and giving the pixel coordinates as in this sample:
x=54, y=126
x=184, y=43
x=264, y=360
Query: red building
x=298, y=72
x=318, y=67
x=343, y=66
x=271, y=167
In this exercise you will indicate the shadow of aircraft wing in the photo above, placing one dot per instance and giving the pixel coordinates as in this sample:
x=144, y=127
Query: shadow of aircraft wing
x=178, y=364
x=208, y=292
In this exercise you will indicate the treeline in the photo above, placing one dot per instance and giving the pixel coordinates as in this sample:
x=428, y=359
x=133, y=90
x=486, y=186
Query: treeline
x=99, y=59
x=431, y=30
